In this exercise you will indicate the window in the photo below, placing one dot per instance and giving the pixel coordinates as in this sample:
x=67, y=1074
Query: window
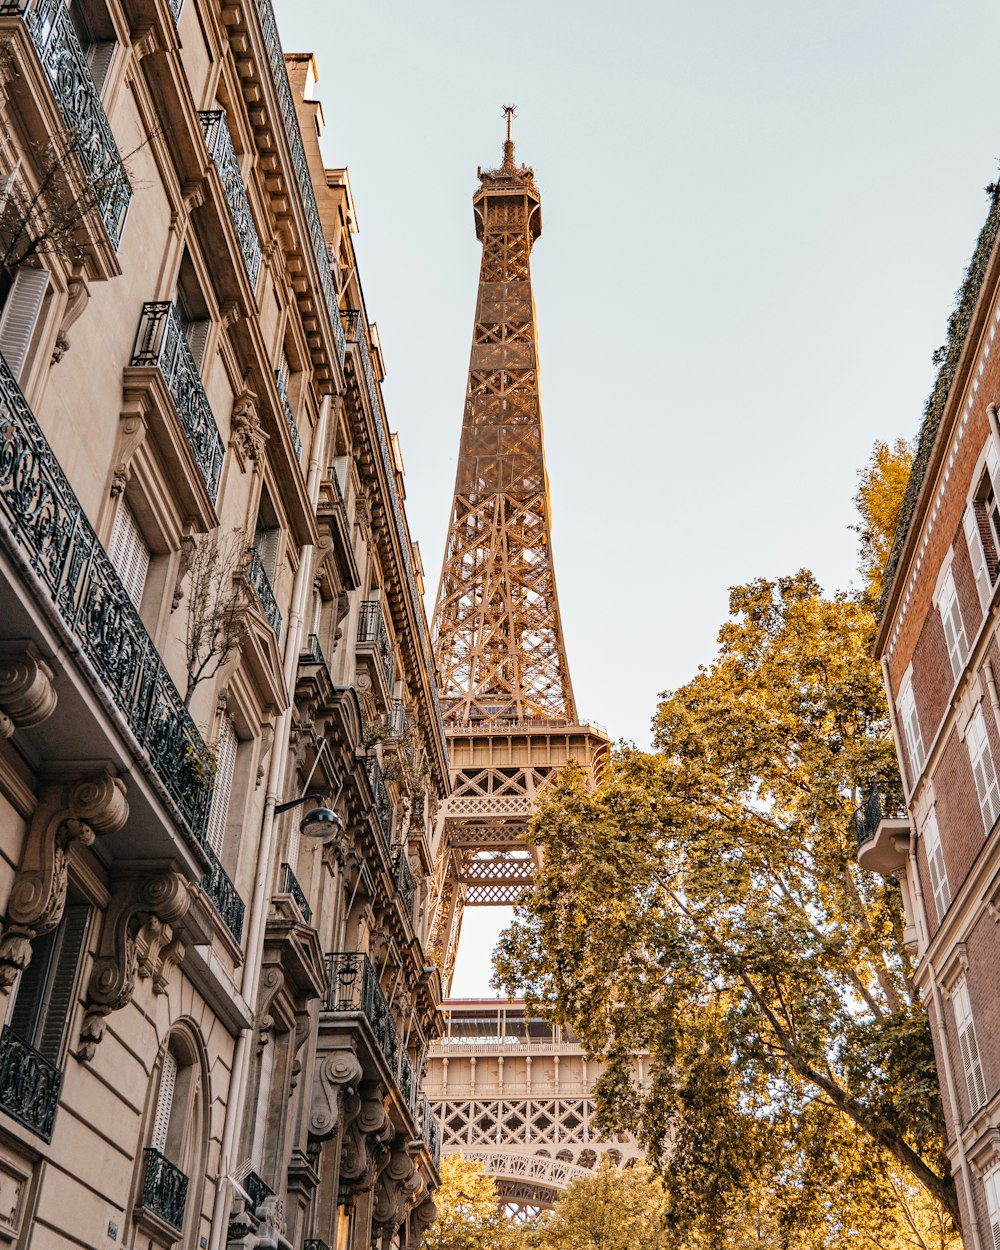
x=96, y=35
x=21, y=310
x=982, y=526
x=991, y=1184
x=967, y=1044
x=935, y=865
x=266, y=536
x=983, y=769
x=44, y=997
x=128, y=552
x=954, y=628
x=225, y=767
x=192, y=312
x=911, y=727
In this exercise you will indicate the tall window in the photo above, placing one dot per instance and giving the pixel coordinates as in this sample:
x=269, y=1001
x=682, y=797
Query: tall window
x=129, y=553
x=911, y=727
x=951, y=620
x=983, y=769
x=968, y=1045
x=225, y=768
x=192, y=312
x=45, y=992
x=991, y=1184
x=935, y=865
x=96, y=34
x=22, y=306
x=982, y=526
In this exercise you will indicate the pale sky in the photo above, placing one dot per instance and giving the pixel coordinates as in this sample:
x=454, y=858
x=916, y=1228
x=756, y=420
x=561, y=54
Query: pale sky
x=756, y=217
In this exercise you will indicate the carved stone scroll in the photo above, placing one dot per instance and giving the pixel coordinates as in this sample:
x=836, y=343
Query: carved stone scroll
x=27, y=692
x=337, y=1076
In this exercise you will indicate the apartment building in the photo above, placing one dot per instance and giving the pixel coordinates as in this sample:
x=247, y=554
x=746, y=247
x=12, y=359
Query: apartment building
x=220, y=744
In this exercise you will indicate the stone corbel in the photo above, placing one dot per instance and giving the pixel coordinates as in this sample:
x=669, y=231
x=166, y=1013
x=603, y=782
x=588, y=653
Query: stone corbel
x=423, y=1217
x=77, y=293
x=271, y=981
x=335, y=1080
x=138, y=938
x=188, y=548
x=131, y=432
x=247, y=437
x=364, y=1152
x=78, y=812
x=393, y=1192
x=27, y=693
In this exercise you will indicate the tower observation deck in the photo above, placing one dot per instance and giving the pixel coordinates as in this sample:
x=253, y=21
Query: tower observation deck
x=510, y=715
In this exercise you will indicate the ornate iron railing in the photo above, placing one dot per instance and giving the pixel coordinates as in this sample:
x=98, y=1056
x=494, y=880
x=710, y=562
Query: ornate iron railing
x=338, y=490
x=220, y=147
x=44, y=519
x=262, y=588
x=281, y=382
x=357, y=332
x=79, y=103
x=403, y=876
x=313, y=651
x=431, y=1131
x=29, y=1085
x=300, y=167
x=218, y=885
x=314, y=1243
x=372, y=630
x=175, y=9
x=382, y=804
x=408, y=1083
x=399, y=723
x=258, y=1189
x=878, y=807
x=160, y=341
x=290, y=885
x=351, y=985
x=164, y=1189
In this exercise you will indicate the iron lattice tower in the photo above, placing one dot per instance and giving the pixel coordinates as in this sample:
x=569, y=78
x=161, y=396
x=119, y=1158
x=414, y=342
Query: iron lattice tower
x=510, y=714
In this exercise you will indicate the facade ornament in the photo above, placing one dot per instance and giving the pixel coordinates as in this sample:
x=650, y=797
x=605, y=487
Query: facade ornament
x=77, y=294
x=336, y=1078
x=187, y=551
x=78, y=812
x=138, y=938
x=131, y=432
x=27, y=691
x=396, y=1185
x=364, y=1150
x=271, y=981
x=423, y=1217
x=247, y=437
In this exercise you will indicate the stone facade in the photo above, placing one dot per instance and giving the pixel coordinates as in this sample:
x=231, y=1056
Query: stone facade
x=216, y=1000
x=939, y=650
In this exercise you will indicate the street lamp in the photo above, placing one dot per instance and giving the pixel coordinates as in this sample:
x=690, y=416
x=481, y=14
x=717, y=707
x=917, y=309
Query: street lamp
x=321, y=822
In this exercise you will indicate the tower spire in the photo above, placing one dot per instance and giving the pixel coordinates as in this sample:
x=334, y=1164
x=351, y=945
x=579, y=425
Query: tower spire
x=508, y=148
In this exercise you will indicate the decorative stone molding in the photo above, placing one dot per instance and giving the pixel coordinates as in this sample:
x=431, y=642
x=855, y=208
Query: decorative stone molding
x=131, y=432
x=336, y=1078
x=247, y=436
x=77, y=293
x=397, y=1184
x=78, y=812
x=421, y=1219
x=364, y=1151
x=186, y=556
x=27, y=692
x=138, y=938
x=985, y=1152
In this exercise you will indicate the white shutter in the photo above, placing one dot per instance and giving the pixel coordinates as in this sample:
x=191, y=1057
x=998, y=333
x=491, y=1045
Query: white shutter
x=225, y=767
x=991, y=1185
x=970, y=523
x=911, y=727
x=983, y=769
x=164, y=1102
x=935, y=865
x=968, y=1045
x=128, y=552
x=993, y=466
x=954, y=628
x=99, y=58
x=20, y=316
x=196, y=333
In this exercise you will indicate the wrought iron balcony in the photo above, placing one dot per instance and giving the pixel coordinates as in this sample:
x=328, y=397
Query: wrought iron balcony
x=431, y=1131
x=42, y=517
x=312, y=652
x=879, y=806
x=164, y=1189
x=315, y=1243
x=351, y=985
x=399, y=723
x=281, y=382
x=382, y=805
x=372, y=631
x=258, y=1190
x=290, y=885
x=220, y=147
x=408, y=1083
x=79, y=103
x=29, y=1085
x=219, y=887
x=175, y=9
x=338, y=490
x=160, y=341
x=262, y=588
x=403, y=877
x=286, y=106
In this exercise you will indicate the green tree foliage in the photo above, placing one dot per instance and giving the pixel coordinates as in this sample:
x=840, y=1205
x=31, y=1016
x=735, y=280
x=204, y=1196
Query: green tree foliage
x=705, y=904
x=610, y=1209
x=469, y=1217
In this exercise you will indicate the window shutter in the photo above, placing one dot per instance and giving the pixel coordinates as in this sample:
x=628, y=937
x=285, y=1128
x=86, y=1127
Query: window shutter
x=164, y=1101
x=30, y=994
x=62, y=984
x=991, y=1184
x=266, y=543
x=20, y=316
x=954, y=628
x=936, y=866
x=983, y=769
x=99, y=58
x=911, y=727
x=970, y=523
x=225, y=767
x=128, y=552
x=969, y=1047
x=196, y=333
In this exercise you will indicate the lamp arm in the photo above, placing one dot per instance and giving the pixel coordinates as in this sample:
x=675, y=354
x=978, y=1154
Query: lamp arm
x=287, y=807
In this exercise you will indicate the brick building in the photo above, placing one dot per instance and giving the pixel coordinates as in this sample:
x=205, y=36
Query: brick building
x=940, y=653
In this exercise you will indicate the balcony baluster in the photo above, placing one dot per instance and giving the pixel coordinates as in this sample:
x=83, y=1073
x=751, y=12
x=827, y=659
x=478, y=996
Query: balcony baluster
x=290, y=885
x=164, y=1190
x=262, y=588
x=220, y=147
x=29, y=1085
x=218, y=885
x=351, y=985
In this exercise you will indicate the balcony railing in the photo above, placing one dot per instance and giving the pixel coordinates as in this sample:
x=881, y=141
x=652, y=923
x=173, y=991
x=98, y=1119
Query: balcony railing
x=408, y=1083
x=431, y=1131
x=312, y=652
x=160, y=341
x=281, y=382
x=351, y=985
x=79, y=103
x=219, y=887
x=399, y=723
x=220, y=147
x=164, y=1189
x=258, y=1189
x=290, y=885
x=403, y=877
x=262, y=588
x=29, y=1085
x=879, y=806
x=43, y=518
x=315, y=1243
x=372, y=630
x=279, y=75
x=338, y=490
x=382, y=805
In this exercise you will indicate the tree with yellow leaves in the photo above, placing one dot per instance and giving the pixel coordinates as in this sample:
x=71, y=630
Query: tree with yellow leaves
x=469, y=1215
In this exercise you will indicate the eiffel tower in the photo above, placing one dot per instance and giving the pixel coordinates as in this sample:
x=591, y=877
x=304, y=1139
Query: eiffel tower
x=511, y=722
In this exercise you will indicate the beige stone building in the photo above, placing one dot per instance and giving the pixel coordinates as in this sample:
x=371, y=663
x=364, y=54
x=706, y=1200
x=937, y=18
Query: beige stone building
x=221, y=746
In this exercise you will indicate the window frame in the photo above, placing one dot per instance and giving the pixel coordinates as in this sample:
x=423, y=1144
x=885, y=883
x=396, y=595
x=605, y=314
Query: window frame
x=965, y=1028
x=977, y=742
